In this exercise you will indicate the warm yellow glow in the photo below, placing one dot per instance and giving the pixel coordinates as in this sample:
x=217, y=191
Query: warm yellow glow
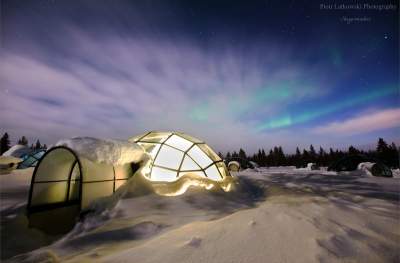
x=175, y=154
x=183, y=183
x=179, y=142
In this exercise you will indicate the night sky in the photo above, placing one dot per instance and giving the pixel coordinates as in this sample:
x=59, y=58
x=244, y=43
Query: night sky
x=236, y=74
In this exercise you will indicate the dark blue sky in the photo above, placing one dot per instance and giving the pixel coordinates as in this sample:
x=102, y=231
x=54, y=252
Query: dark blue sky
x=264, y=72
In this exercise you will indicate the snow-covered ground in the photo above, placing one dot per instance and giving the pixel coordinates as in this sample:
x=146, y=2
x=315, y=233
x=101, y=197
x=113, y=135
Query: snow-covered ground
x=279, y=214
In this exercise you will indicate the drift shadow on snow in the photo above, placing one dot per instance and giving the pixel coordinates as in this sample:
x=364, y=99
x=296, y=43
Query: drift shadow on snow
x=139, y=231
x=247, y=194
x=348, y=193
x=85, y=234
x=324, y=185
x=346, y=245
x=212, y=204
x=18, y=193
x=15, y=235
x=347, y=242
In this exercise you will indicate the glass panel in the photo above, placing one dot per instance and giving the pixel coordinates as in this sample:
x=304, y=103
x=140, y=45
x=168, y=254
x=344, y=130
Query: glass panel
x=123, y=171
x=169, y=157
x=199, y=173
x=213, y=173
x=199, y=156
x=188, y=164
x=209, y=152
x=160, y=174
x=48, y=193
x=75, y=175
x=93, y=191
x=188, y=137
x=55, y=166
x=222, y=169
x=39, y=154
x=150, y=148
x=96, y=171
x=156, y=137
x=74, y=190
x=137, y=137
x=179, y=142
x=29, y=161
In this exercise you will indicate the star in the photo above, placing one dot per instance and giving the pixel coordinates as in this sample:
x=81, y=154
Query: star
x=385, y=37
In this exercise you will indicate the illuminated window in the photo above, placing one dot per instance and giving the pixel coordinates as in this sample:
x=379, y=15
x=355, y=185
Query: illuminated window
x=189, y=165
x=161, y=174
x=177, y=154
x=168, y=157
x=64, y=179
x=179, y=142
x=213, y=173
x=201, y=158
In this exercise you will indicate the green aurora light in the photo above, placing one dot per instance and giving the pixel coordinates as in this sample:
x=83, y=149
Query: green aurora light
x=288, y=120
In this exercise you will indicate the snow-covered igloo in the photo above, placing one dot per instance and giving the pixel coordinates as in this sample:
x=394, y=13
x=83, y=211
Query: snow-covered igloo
x=76, y=172
x=351, y=163
x=234, y=166
x=175, y=154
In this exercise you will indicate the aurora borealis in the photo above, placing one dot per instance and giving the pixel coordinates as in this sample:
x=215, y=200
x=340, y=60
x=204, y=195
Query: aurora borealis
x=234, y=73
x=331, y=108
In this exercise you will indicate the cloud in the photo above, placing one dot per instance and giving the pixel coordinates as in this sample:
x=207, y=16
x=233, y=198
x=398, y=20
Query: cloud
x=113, y=71
x=365, y=123
x=112, y=86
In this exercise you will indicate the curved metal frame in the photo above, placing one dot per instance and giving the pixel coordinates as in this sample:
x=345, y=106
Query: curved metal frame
x=143, y=140
x=38, y=208
x=60, y=204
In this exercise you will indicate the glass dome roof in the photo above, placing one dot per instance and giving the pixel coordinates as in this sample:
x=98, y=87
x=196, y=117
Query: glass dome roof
x=175, y=154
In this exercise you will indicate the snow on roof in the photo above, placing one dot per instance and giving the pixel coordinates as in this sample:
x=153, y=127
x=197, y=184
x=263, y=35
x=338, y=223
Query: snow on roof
x=9, y=160
x=17, y=151
x=114, y=152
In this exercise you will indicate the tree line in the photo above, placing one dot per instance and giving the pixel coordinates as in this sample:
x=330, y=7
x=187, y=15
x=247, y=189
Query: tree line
x=384, y=152
x=5, y=143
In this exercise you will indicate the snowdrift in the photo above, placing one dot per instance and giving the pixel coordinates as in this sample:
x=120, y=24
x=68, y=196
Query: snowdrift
x=82, y=175
x=112, y=152
x=337, y=217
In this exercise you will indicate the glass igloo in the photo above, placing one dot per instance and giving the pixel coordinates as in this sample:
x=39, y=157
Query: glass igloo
x=175, y=154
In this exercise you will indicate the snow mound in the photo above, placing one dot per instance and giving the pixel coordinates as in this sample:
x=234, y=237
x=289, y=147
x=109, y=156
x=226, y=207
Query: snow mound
x=309, y=167
x=312, y=166
x=113, y=152
x=7, y=160
x=17, y=151
x=366, y=168
x=396, y=173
